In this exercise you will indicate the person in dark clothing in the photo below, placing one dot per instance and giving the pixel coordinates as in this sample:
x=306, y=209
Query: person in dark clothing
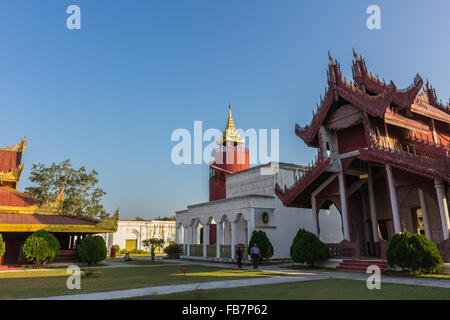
x=256, y=255
x=239, y=256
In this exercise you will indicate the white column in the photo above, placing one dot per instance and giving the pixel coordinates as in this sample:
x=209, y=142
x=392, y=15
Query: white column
x=189, y=240
x=343, y=207
x=315, y=216
x=233, y=237
x=373, y=206
x=443, y=207
x=219, y=238
x=426, y=221
x=394, y=202
x=205, y=238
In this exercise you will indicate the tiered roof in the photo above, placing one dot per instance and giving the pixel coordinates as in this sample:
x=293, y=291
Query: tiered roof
x=376, y=99
x=21, y=212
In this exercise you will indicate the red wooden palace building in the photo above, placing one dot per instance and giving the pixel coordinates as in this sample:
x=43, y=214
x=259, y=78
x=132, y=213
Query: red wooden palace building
x=383, y=161
x=22, y=214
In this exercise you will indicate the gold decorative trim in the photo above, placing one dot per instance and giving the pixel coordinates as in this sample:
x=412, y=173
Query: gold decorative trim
x=4, y=227
x=12, y=175
x=20, y=147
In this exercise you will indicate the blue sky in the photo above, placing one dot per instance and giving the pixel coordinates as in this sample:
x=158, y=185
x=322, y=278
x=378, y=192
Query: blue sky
x=108, y=96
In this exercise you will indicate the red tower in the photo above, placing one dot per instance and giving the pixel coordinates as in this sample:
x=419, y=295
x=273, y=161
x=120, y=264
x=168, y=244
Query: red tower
x=231, y=156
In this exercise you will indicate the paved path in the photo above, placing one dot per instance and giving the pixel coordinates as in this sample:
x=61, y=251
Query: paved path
x=285, y=275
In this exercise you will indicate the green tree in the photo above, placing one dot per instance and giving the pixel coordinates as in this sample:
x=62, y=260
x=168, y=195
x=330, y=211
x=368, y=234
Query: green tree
x=92, y=249
x=307, y=248
x=2, y=246
x=263, y=243
x=140, y=219
x=171, y=218
x=82, y=197
x=147, y=243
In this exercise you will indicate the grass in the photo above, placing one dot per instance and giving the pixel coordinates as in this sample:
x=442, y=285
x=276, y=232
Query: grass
x=140, y=262
x=31, y=283
x=416, y=274
x=309, y=268
x=330, y=289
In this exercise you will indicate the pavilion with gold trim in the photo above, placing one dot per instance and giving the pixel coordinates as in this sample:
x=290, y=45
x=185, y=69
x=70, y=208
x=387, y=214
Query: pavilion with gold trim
x=22, y=214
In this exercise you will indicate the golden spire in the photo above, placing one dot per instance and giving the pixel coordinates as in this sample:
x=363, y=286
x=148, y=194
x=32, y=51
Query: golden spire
x=230, y=133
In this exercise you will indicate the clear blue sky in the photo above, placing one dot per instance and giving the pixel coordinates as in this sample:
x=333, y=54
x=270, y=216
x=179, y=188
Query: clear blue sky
x=108, y=96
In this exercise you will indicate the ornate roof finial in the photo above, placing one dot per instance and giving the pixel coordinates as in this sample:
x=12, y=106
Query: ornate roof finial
x=60, y=196
x=230, y=133
x=331, y=59
x=355, y=55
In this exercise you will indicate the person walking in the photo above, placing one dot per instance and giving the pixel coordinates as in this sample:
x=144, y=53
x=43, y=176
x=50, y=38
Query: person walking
x=256, y=255
x=239, y=256
x=152, y=251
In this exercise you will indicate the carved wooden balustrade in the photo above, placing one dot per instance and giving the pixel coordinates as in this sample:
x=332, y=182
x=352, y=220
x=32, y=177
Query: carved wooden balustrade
x=345, y=249
x=410, y=156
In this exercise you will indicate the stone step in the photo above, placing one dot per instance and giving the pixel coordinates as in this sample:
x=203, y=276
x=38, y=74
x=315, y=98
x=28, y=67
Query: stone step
x=357, y=264
x=354, y=269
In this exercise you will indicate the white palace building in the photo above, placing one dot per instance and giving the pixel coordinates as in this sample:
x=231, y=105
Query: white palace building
x=242, y=199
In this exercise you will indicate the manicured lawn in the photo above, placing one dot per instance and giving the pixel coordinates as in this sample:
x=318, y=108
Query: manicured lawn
x=30, y=283
x=309, y=268
x=140, y=262
x=330, y=289
x=416, y=274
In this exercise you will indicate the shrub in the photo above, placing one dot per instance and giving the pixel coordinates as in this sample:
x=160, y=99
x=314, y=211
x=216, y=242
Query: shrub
x=36, y=250
x=2, y=246
x=92, y=249
x=41, y=246
x=263, y=243
x=137, y=251
x=413, y=252
x=307, y=248
x=174, y=250
x=52, y=241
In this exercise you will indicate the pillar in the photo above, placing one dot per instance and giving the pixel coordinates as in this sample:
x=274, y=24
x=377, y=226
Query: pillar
x=443, y=207
x=219, y=238
x=342, y=192
x=372, y=206
x=393, y=197
x=189, y=240
x=426, y=221
x=205, y=239
x=315, y=216
x=233, y=238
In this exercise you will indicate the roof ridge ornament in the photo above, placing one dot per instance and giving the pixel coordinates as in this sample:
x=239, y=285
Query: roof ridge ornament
x=230, y=133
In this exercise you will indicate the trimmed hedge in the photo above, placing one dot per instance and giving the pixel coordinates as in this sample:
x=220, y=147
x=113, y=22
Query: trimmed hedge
x=263, y=243
x=52, y=241
x=413, y=252
x=2, y=246
x=307, y=248
x=92, y=249
x=173, y=250
x=41, y=246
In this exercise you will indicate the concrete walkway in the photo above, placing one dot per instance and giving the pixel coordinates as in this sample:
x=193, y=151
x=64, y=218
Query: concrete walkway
x=281, y=275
